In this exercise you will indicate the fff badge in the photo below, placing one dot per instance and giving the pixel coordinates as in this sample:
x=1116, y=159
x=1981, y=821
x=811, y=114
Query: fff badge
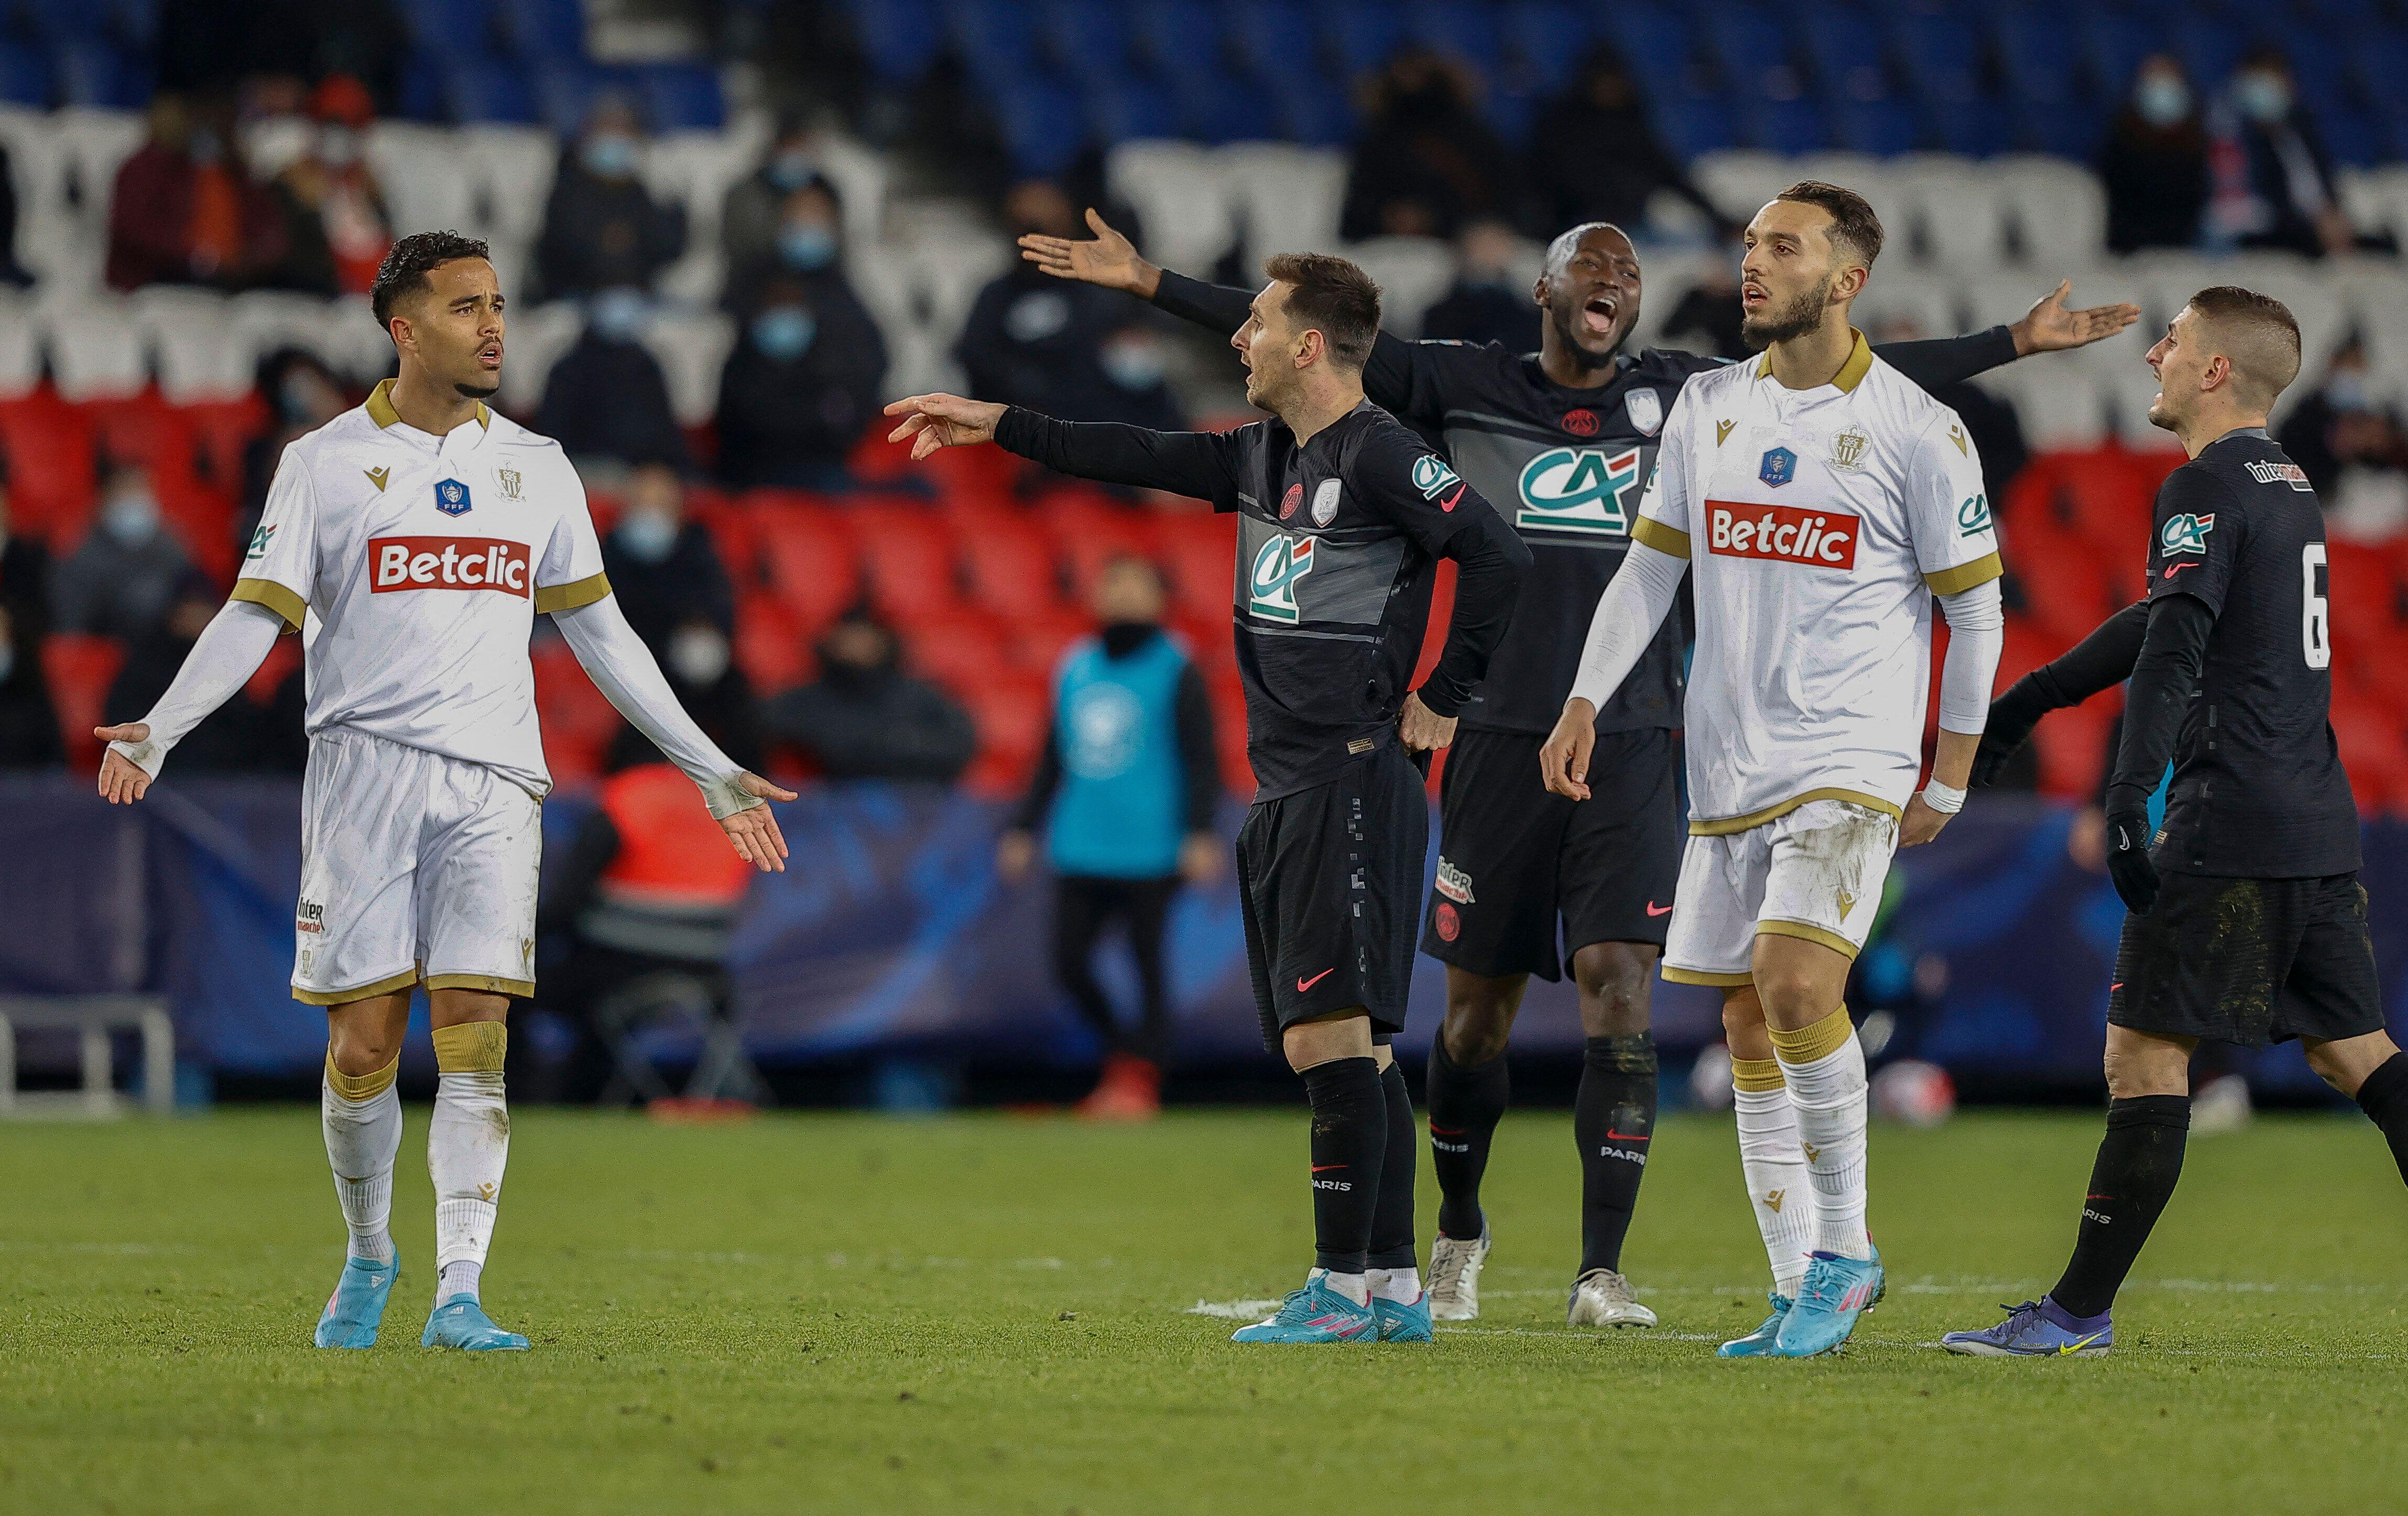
x=452, y=497
x=1780, y=465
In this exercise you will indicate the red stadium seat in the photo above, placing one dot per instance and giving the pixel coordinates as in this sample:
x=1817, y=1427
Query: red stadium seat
x=961, y=649
x=1038, y=641
x=2067, y=588
x=1011, y=715
x=907, y=559
x=78, y=670
x=143, y=428
x=223, y=432
x=579, y=721
x=1198, y=555
x=2072, y=748
x=1006, y=558
x=1090, y=529
x=2373, y=741
x=811, y=562
x=734, y=531
x=771, y=646
x=49, y=445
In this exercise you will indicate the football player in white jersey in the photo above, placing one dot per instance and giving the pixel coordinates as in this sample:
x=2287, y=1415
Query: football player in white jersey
x=1822, y=501
x=411, y=542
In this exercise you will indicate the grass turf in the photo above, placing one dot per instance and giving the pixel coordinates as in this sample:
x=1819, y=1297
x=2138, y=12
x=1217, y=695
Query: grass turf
x=839, y=1312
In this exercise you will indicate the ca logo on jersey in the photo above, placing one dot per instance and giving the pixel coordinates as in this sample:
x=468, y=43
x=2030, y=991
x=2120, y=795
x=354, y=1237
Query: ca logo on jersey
x=1270, y=590
x=1578, y=490
x=1430, y=475
x=260, y=539
x=2186, y=533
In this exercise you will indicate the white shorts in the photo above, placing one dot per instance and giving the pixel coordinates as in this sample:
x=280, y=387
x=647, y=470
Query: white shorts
x=414, y=866
x=1815, y=873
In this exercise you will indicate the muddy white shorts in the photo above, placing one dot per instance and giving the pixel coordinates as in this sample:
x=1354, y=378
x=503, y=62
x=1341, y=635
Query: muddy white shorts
x=1815, y=873
x=414, y=866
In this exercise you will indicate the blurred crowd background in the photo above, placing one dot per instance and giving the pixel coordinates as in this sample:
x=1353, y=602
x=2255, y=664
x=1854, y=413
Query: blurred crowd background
x=731, y=229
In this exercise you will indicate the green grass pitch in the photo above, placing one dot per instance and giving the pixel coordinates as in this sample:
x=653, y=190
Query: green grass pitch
x=991, y=1315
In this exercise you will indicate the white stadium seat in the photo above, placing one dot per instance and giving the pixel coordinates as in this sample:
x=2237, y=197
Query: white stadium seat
x=538, y=335
x=197, y=350
x=1927, y=299
x=21, y=346
x=1284, y=199
x=1413, y=272
x=428, y=182
x=1958, y=220
x=514, y=167
x=1740, y=182
x=691, y=349
x=96, y=351
x=2058, y=209
x=1177, y=191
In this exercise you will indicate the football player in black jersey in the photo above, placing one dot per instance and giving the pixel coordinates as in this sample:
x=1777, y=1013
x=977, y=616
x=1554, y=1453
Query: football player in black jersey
x=2247, y=923
x=1342, y=516
x=1563, y=440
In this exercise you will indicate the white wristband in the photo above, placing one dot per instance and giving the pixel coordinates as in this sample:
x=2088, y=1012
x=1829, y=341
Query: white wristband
x=1942, y=799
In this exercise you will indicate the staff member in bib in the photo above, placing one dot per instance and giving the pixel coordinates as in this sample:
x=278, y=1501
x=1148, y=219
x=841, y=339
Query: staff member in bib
x=1128, y=774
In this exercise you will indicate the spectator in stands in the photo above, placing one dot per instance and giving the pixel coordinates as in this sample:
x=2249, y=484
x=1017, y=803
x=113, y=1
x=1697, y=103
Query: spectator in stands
x=2340, y=427
x=1129, y=777
x=866, y=719
x=338, y=229
x=29, y=725
x=606, y=400
x=24, y=574
x=120, y=580
x=1489, y=302
x=1035, y=340
x=2273, y=184
x=302, y=394
x=602, y=229
x=11, y=271
x=1990, y=420
x=1427, y=161
x=806, y=245
x=1594, y=156
x=2153, y=166
x=1707, y=319
x=799, y=387
x=1135, y=360
x=663, y=567
x=753, y=222
x=185, y=209
x=232, y=738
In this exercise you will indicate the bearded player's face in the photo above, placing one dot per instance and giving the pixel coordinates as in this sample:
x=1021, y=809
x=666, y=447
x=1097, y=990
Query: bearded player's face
x=1785, y=280
x=455, y=330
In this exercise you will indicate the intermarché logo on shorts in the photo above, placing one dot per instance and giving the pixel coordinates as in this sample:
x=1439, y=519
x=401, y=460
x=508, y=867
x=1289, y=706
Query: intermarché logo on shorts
x=1792, y=534
x=449, y=563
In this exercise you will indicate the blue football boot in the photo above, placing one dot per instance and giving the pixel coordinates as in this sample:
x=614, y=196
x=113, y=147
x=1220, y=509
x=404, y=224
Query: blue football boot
x=2037, y=1329
x=1758, y=1343
x=356, y=1309
x=1402, y=1323
x=461, y=1322
x=1313, y=1315
x=1837, y=1291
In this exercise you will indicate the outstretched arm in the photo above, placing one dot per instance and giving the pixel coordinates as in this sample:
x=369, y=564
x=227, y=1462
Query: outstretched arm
x=2047, y=327
x=229, y=652
x=1184, y=463
x=622, y=668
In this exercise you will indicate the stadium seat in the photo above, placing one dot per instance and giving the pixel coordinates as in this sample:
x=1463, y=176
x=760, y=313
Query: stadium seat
x=1198, y=560
x=78, y=670
x=1087, y=39
x=1090, y=530
x=2114, y=42
x=1038, y=641
x=1462, y=28
x=1277, y=41
x=102, y=75
x=1043, y=123
x=1284, y=195
x=578, y=720
x=1794, y=124
x=900, y=39
x=1006, y=559
x=809, y=559
x=1123, y=107
x=223, y=432
x=907, y=558
x=96, y=351
x=1941, y=51
x=544, y=28
x=681, y=97
x=995, y=40
x=1848, y=49
x=1545, y=41
x=485, y=89
x=1175, y=35
x=48, y=444
x=1360, y=35
x=961, y=649
x=1011, y=713
x=771, y=646
x=21, y=347
x=24, y=74
x=1882, y=127
x=2373, y=749
x=1216, y=106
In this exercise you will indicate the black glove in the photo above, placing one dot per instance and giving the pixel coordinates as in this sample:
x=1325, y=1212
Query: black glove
x=2127, y=860
x=2013, y=716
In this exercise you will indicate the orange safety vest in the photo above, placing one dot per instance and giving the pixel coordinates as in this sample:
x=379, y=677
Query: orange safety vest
x=671, y=853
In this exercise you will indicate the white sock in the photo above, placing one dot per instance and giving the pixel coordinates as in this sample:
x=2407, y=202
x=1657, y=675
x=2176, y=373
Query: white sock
x=1401, y=1285
x=1829, y=1092
x=1777, y=1181
x=363, y=1134
x=1354, y=1287
x=467, y=1146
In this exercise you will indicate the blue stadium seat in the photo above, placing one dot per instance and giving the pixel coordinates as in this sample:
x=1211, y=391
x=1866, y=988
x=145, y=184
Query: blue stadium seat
x=1178, y=35
x=1362, y=34
x=2350, y=134
x=1513, y=113
x=489, y=90
x=2114, y=42
x=101, y=74
x=1318, y=115
x=56, y=20
x=24, y=74
x=1690, y=124
x=1752, y=49
x=1464, y=28
x=2380, y=55
x=1941, y=53
x=1087, y=39
x=1883, y=128
x=995, y=39
x=545, y=30
x=1850, y=51
x=2071, y=128
x=1043, y=125
x=2209, y=48
x=423, y=95
x=1131, y=107
x=1791, y=126
x=1545, y=40
x=899, y=38
x=449, y=27
x=2033, y=53
x=1657, y=42
x=1279, y=42
x=564, y=92
x=1978, y=128
x=1217, y=107
x=2320, y=60
x=682, y=97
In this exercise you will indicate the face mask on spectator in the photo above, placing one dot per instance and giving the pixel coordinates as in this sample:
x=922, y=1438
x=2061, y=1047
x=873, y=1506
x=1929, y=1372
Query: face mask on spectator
x=610, y=154
x=338, y=146
x=2264, y=97
x=806, y=245
x=1132, y=362
x=647, y=534
x=618, y=315
x=2347, y=391
x=203, y=146
x=2162, y=100
x=792, y=169
x=698, y=655
x=131, y=516
x=785, y=332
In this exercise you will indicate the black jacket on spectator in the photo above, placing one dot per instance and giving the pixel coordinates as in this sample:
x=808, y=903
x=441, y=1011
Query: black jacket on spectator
x=1032, y=340
x=1614, y=169
x=1485, y=313
x=792, y=422
x=602, y=234
x=875, y=724
x=2156, y=184
x=691, y=584
x=1711, y=313
x=29, y=725
x=1426, y=163
x=607, y=399
x=2270, y=154
x=25, y=588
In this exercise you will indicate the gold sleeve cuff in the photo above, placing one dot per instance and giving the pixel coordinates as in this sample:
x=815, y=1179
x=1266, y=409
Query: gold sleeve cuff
x=585, y=592
x=274, y=596
x=1652, y=532
x=1981, y=570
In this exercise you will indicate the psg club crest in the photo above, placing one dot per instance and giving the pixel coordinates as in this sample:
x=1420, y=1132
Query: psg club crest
x=1779, y=467
x=452, y=497
x=1646, y=410
x=1581, y=422
x=1289, y=501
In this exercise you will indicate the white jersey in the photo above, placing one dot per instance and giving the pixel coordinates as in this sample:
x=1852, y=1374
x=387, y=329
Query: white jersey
x=1818, y=525
x=413, y=567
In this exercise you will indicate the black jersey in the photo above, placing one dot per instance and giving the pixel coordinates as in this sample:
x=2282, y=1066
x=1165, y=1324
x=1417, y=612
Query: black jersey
x=2258, y=790
x=1337, y=541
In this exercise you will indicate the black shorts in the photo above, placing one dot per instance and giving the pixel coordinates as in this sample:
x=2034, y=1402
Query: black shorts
x=1326, y=879
x=1513, y=857
x=2250, y=962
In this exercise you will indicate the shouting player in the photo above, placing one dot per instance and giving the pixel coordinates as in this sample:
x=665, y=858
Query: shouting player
x=1565, y=437
x=2255, y=931
x=1342, y=517
x=412, y=542
x=1821, y=501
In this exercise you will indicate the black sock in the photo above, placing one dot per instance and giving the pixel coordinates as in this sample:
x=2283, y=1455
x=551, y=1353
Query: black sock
x=1392, y=1219
x=2383, y=1097
x=1613, y=1116
x=2139, y=1161
x=1465, y=1106
x=1350, y=1141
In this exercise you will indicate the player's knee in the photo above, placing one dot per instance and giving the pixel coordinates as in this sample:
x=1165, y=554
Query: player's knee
x=2331, y=1067
x=1476, y=1030
x=1743, y=1017
x=2132, y=1073
x=360, y=1049
x=1613, y=979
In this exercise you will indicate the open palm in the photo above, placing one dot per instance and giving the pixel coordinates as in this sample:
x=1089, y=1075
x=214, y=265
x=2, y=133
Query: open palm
x=1110, y=259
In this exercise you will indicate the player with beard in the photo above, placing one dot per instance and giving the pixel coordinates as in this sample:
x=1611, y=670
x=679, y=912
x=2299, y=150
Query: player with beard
x=1562, y=440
